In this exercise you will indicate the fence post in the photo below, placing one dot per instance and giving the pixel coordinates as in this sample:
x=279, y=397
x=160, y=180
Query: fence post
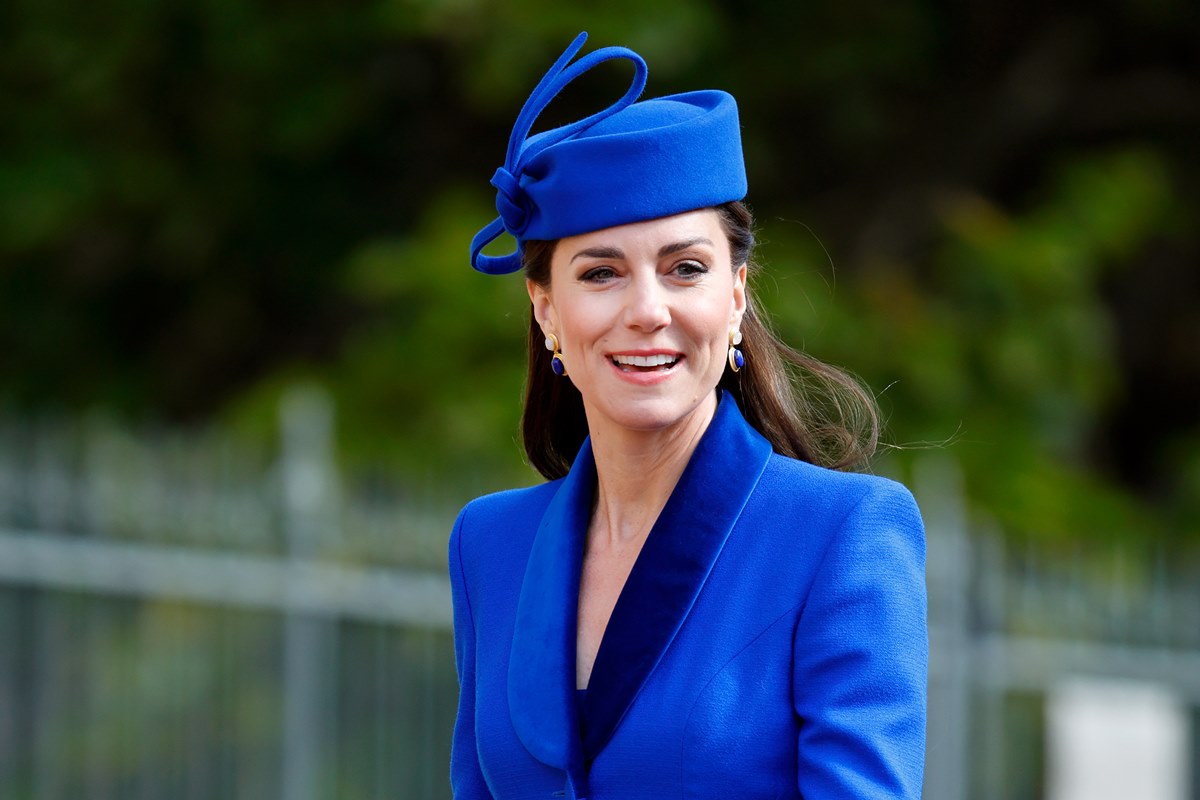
x=938, y=484
x=309, y=489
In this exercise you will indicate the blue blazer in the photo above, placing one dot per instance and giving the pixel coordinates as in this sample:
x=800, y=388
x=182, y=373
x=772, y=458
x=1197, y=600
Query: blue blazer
x=770, y=641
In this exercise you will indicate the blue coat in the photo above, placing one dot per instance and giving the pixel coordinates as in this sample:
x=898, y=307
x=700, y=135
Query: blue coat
x=770, y=641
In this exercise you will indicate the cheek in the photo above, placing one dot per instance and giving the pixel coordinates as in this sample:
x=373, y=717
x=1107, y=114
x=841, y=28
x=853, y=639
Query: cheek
x=714, y=327
x=581, y=327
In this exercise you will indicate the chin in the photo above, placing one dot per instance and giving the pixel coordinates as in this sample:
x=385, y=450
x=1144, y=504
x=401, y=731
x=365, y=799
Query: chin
x=650, y=413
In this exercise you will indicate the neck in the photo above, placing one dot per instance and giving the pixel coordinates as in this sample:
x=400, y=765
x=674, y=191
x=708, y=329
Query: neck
x=636, y=472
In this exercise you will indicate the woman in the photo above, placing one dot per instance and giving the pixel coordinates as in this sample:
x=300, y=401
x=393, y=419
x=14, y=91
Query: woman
x=689, y=607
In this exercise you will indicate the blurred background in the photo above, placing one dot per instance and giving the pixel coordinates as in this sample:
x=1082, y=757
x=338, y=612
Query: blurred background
x=247, y=376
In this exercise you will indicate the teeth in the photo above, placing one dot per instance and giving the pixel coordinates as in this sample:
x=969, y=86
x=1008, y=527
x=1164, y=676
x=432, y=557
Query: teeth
x=645, y=361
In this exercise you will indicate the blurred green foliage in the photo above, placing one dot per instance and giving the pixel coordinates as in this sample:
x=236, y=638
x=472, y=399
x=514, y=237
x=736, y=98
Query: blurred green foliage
x=986, y=211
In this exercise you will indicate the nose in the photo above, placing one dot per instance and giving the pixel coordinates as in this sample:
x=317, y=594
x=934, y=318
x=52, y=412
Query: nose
x=648, y=305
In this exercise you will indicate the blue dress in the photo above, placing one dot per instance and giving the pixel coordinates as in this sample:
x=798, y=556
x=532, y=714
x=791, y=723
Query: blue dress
x=769, y=642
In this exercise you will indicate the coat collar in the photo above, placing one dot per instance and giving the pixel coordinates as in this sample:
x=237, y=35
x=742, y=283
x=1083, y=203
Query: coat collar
x=541, y=668
x=663, y=585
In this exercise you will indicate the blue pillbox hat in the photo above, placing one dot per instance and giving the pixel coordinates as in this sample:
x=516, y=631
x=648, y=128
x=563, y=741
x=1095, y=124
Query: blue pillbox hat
x=631, y=162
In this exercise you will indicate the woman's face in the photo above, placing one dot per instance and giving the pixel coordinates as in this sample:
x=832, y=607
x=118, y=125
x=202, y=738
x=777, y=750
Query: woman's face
x=642, y=313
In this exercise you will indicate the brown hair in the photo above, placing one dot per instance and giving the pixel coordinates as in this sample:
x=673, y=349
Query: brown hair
x=805, y=408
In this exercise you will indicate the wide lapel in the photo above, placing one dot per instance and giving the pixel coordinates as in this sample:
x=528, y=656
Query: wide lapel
x=541, y=669
x=672, y=567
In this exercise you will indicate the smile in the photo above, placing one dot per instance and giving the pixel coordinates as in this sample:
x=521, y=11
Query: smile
x=657, y=361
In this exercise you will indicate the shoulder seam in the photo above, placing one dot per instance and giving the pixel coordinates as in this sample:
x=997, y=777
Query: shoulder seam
x=820, y=563
x=462, y=570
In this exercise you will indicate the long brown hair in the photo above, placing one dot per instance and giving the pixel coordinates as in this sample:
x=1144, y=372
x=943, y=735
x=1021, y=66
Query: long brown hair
x=805, y=408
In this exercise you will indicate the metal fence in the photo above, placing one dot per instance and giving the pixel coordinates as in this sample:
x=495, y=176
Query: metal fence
x=184, y=616
x=1010, y=625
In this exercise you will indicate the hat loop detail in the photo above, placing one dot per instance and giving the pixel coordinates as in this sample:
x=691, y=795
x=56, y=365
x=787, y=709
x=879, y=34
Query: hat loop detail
x=512, y=203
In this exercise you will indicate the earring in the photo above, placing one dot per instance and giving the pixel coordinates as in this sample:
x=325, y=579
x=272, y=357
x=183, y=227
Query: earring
x=556, y=361
x=736, y=359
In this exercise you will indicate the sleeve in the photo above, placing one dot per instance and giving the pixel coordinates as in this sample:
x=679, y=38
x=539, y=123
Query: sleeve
x=466, y=778
x=860, y=656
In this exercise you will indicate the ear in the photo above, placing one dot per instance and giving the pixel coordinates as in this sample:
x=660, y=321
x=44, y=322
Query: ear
x=543, y=306
x=738, y=305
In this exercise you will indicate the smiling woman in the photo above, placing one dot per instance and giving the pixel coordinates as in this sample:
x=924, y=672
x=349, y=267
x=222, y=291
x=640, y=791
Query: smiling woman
x=642, y=313
x=695, y=604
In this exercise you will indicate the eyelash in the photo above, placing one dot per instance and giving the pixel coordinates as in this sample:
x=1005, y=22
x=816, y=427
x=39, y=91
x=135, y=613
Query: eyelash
x=695, y=268
x=593, y=275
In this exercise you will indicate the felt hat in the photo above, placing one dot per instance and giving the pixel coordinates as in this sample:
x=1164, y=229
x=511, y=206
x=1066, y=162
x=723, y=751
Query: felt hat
x=631, y=162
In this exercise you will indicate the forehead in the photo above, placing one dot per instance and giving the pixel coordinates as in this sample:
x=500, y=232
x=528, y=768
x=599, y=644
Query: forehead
x=650, y=235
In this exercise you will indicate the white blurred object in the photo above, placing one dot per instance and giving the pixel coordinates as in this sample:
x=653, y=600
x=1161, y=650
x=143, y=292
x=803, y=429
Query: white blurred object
x=1116, y=739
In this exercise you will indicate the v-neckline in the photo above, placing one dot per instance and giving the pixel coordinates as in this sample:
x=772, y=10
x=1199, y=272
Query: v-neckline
x=611, y=607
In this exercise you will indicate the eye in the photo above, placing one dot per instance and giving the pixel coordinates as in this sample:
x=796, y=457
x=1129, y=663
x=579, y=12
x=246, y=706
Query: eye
x=598, y=275
x=690, y=269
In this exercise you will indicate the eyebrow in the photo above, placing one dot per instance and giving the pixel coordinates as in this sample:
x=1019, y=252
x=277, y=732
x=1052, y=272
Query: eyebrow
x=665, y=250
x=668, y=249
x=599, y=252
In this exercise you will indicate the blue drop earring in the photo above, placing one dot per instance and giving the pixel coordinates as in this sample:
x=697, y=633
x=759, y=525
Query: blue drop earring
x=736, y=359
x=556, y=361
